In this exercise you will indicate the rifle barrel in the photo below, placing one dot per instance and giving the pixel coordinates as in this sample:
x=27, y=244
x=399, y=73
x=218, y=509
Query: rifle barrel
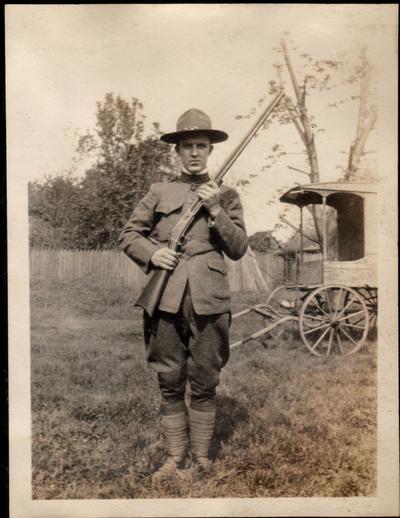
x=231, y=159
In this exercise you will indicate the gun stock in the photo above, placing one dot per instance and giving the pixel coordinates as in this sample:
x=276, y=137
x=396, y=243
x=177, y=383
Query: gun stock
x=150, y=297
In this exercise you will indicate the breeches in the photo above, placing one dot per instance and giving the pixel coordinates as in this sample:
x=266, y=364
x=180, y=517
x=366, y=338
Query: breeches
x=185, y=347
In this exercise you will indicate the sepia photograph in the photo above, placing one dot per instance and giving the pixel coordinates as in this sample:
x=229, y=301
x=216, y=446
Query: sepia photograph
x=202, y=259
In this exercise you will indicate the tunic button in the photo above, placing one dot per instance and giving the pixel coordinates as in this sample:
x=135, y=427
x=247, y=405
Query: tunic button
x=193, y=187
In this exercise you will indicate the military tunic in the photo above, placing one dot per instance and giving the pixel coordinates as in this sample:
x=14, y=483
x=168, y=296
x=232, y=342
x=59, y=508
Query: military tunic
x=188, y=336
x=202, y=263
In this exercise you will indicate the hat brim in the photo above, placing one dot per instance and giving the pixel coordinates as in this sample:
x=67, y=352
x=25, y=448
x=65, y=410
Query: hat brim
x=214, y=135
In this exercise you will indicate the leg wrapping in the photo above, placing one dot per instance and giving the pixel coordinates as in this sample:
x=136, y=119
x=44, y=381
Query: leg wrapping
x=176, y=435
x=201, y=432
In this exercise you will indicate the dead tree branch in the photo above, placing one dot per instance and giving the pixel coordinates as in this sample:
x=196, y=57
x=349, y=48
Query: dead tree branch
x=298, y=170
x=297, y=229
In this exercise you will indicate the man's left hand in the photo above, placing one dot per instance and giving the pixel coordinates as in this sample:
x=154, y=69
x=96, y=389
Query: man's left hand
x=209, y=193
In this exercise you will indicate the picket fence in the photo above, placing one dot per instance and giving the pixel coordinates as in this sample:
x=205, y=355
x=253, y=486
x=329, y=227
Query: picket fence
x=253, y=272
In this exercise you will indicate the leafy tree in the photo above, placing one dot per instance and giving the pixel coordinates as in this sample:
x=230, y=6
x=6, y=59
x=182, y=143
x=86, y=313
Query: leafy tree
x=52, y=206
x=98, y=205
x=128, y=163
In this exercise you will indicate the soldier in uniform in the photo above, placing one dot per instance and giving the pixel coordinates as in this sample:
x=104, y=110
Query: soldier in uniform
x=188, y=337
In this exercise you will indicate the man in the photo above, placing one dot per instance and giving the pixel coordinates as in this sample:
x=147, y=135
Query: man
x=188, y=337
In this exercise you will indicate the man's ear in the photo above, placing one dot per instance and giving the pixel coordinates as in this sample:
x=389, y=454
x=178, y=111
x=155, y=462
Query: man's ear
x=177, y=149
x=211, y=149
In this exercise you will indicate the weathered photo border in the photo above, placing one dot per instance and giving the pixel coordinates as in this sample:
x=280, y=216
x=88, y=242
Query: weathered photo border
x=385, y=503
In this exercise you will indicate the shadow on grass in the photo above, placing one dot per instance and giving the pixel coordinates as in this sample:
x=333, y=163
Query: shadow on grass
x=230, y=414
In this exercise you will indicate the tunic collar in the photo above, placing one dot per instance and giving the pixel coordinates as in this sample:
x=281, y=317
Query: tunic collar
x=194, y=178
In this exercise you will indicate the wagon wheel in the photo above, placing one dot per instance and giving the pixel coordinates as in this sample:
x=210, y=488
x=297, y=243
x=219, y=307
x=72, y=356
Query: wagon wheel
x=284, y=301
x=370, y=297
x=334, y=317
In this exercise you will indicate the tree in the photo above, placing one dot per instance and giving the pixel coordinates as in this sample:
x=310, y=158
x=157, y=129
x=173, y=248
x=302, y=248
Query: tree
x=128, y=163
x=318, y=76
x=367, y=115
x=52, y=206
x=98, y=205
x=322, y=76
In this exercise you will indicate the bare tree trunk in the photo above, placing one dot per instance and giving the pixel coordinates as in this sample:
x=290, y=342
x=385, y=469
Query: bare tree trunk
x=307, y=134
x=367, y=116
x=301, y=121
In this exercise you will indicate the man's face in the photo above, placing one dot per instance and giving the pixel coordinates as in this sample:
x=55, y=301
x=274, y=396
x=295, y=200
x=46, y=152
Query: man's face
x=194, y=153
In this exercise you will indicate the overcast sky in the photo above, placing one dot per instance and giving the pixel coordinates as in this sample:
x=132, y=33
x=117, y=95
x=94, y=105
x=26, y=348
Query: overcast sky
x=61, y=59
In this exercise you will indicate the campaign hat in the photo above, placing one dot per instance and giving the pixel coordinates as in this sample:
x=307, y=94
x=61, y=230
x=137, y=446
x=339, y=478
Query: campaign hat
x=194, y=122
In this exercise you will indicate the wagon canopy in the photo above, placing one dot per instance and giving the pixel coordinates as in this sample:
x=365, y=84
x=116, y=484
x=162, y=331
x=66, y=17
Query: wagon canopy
x=314, y=193
x=355, y=206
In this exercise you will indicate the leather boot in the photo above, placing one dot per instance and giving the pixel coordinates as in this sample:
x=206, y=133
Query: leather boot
x=174, y=429
x=201, y=431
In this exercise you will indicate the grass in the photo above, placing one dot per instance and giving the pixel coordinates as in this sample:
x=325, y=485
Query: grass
x=289, y=423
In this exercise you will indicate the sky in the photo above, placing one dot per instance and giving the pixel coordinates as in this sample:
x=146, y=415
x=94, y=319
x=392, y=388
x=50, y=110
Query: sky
x=61, y=59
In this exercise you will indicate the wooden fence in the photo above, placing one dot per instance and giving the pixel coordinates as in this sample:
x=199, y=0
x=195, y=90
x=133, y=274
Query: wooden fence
x=251, y=273
x=310, y=272
x=255, y=271
x=69, y=265
x=272, y=267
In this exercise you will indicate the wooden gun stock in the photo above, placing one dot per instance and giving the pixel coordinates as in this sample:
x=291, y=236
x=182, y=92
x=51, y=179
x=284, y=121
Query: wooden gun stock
x=150, y=296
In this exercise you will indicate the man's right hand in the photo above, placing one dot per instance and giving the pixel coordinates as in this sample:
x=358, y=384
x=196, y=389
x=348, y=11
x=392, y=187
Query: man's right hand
x=165, y=258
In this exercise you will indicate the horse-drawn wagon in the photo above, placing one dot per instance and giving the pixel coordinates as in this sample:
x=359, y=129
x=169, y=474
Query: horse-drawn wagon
x=336, y=312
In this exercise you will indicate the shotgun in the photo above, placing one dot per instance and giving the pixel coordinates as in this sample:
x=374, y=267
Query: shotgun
x=150, y=297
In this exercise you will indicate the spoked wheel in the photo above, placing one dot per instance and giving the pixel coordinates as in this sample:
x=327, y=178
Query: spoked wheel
x=285, y=301
x=370, y=296
x=334, y=318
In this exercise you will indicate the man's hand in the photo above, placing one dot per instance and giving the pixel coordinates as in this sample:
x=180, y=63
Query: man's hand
x=209, y=194
x=165, y=258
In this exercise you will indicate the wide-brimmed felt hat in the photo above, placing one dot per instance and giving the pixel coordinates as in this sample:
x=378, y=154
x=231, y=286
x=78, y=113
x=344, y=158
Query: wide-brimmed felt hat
x=192, y=123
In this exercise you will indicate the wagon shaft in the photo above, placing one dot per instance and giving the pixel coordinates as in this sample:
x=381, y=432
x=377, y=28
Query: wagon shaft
x=262, y=331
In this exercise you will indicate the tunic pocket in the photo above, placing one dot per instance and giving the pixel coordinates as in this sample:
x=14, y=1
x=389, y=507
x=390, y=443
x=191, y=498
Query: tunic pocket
x=167, y=213
x=168, y=206
x=217, y=264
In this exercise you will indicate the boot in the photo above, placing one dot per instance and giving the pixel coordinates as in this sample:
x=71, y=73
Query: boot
x=201, y=432
x=174, y=429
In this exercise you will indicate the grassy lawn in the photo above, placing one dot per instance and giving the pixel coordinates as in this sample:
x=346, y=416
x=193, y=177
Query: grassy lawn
x=289, y=423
